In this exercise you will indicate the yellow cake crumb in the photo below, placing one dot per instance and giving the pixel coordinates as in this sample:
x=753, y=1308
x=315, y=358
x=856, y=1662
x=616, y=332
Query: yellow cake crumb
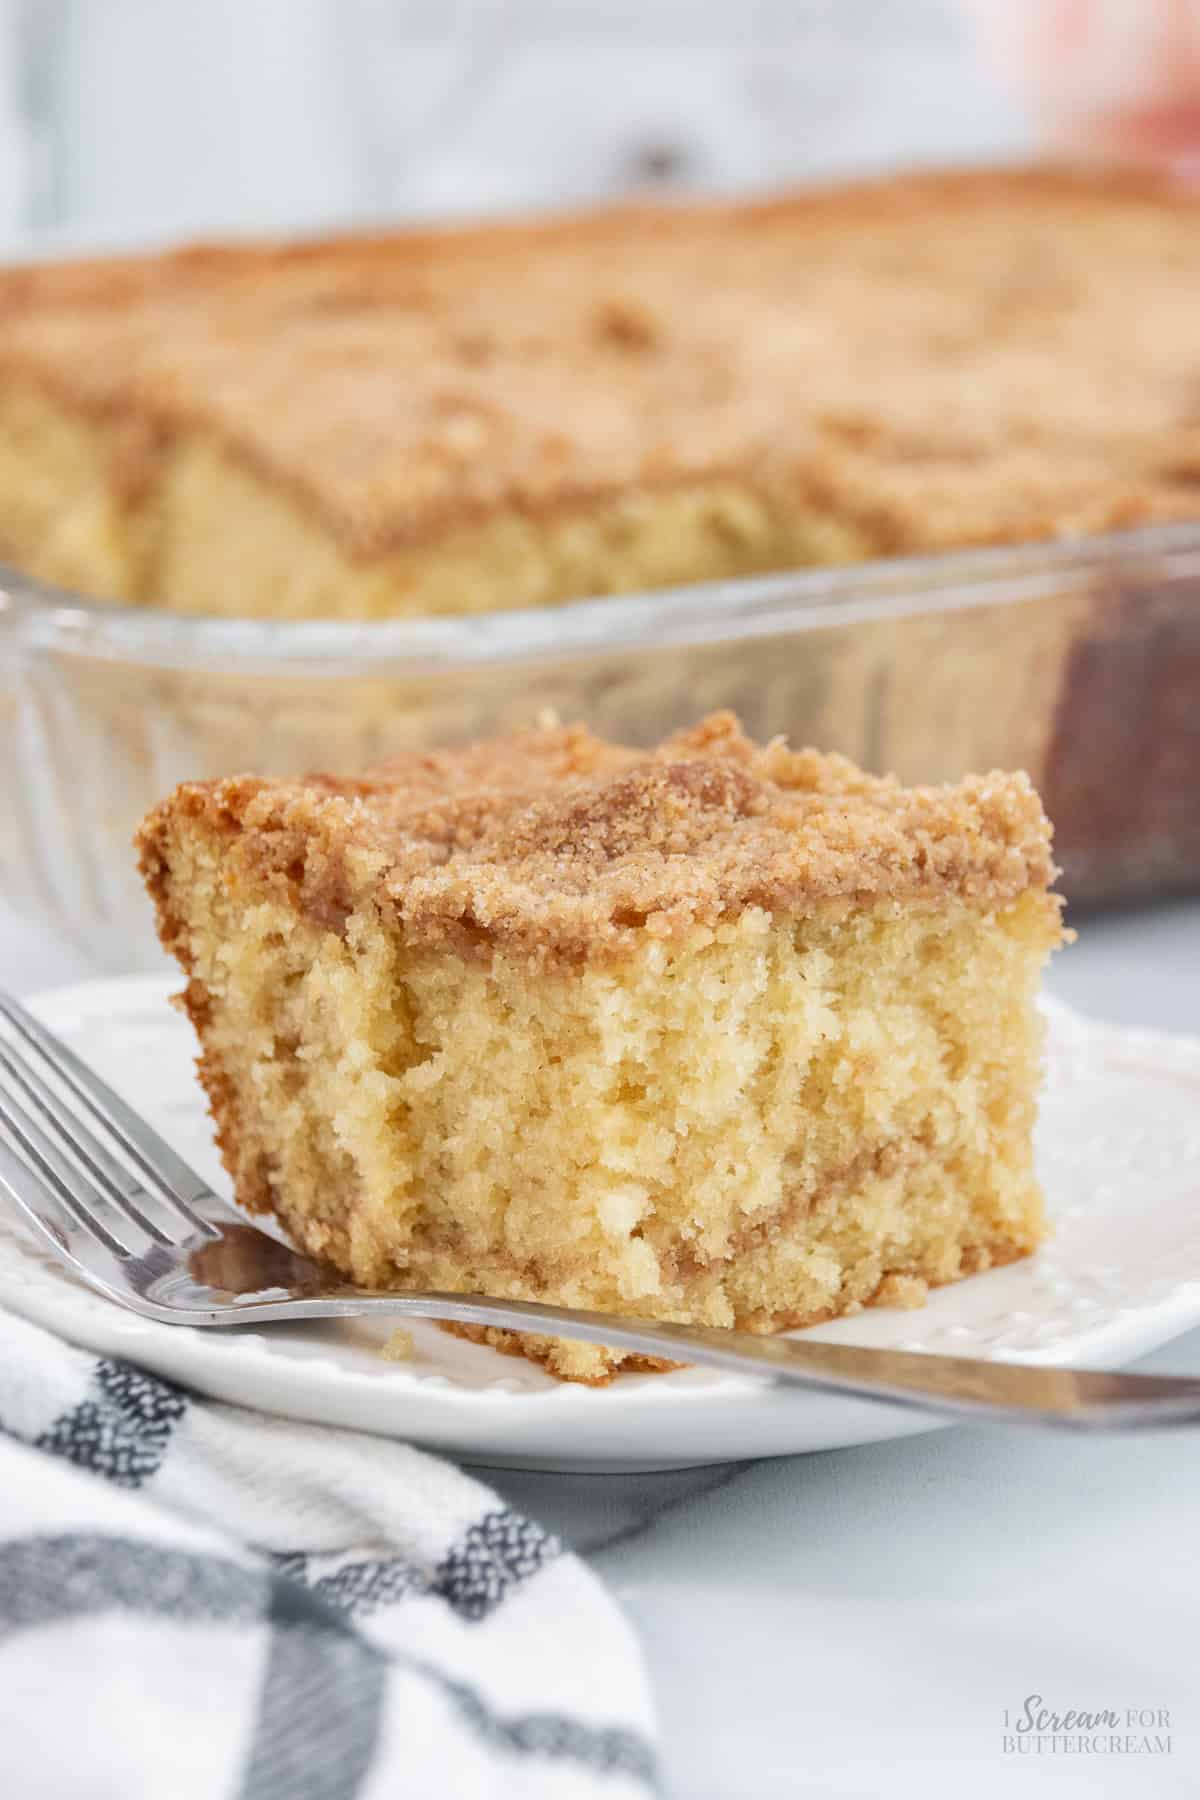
x=906, y=1292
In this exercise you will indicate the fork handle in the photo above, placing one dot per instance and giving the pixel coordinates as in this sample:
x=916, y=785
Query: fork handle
x=954, y=1386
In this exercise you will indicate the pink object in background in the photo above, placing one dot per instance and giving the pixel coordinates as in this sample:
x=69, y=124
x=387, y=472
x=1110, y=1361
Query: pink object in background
x=1109, y=78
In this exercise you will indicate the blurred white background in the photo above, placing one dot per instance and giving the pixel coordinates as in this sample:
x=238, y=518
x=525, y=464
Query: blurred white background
x=125, y=120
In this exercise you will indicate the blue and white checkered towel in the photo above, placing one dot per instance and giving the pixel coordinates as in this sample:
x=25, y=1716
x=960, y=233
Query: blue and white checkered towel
x=198, y=1601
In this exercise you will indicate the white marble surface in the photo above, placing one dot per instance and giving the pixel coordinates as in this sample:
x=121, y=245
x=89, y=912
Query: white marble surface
x=856, y=1623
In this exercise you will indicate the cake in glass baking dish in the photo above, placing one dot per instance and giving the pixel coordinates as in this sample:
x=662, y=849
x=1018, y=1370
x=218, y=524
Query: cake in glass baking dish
x=713, y=1032
x=465, y=420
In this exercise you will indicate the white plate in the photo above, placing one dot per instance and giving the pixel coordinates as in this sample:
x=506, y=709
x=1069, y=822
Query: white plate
x=1119, y=1153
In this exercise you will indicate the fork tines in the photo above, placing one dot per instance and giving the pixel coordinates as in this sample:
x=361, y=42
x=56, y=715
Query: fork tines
x=114, y=1186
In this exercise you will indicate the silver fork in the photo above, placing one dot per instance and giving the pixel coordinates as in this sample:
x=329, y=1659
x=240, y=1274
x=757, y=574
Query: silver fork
x=127, y=1215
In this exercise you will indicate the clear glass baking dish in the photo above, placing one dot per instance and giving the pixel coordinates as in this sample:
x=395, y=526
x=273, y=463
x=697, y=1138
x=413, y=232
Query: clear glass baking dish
x=1079, y=661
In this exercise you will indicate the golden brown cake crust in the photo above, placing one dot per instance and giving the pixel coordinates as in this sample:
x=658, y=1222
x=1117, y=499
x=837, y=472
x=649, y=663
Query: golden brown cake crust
x=937, y=359
x=557, y=847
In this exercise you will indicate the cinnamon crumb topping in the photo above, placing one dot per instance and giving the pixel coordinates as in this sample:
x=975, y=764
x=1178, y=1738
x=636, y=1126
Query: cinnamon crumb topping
x=629, y=322
x=556, y=846
x=935, y=359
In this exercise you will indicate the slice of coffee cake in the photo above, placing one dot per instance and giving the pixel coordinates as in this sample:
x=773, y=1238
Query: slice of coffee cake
x=715, y=1032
